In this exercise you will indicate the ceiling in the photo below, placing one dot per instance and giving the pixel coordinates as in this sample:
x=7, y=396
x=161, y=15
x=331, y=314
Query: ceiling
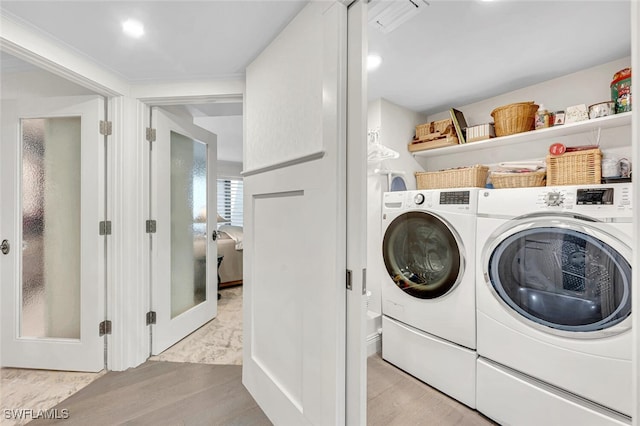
x=184, y=40
x=453, y=53
x=458, y=52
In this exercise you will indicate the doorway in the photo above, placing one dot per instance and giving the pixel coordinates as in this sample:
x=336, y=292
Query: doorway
x=53, y=270
x=54, y=202
x=217, y=340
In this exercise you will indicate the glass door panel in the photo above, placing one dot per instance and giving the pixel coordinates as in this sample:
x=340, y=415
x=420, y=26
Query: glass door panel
x=562, y=278
x=422, y=255
x=51, y=159
x=188, y=224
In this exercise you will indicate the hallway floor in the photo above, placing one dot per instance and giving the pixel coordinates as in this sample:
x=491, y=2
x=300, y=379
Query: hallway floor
x=394, y=397
x=217, y=342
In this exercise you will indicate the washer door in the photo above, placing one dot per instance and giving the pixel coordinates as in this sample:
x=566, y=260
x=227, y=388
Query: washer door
x=563, y=277
x=422, y=255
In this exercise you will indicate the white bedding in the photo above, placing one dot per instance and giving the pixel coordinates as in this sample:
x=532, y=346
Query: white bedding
x=235, y=233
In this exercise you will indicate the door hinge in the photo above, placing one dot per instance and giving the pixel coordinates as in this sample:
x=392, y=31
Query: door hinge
x=105, y=327
x=105, y=227
x=106, y=128
x=151, y=134
x=349, y=280
x=151, y=317
x=151, y=227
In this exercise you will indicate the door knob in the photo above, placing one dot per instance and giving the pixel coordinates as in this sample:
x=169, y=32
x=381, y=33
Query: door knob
x=5, y=247
x=214, y=235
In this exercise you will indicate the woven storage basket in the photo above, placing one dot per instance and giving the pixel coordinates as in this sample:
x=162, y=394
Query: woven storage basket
x=575, y=168
x=514, y=118
x=518, y=180
x=475, y=176
x=443, y=127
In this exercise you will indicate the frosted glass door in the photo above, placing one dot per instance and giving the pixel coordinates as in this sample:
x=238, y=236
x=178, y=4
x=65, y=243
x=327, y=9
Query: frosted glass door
x=52, y=191
x=183, y=250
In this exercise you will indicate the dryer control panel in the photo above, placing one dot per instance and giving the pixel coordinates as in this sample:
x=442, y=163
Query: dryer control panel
x=598, y=201
x=454, y=197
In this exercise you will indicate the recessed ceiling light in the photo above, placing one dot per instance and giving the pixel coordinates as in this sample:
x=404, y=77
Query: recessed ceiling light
x=133, y=28
x=373, y=62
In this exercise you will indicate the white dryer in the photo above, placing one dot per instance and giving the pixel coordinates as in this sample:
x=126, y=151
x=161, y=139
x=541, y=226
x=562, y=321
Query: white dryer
x=428, y=294
x=554, y=305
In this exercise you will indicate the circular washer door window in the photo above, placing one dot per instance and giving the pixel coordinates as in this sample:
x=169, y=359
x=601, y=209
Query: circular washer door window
x=422, y=255
x=562, y=278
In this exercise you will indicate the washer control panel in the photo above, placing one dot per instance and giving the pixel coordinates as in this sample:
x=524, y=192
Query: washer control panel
x=597, y=196
x=597, y=201
x=554, y=198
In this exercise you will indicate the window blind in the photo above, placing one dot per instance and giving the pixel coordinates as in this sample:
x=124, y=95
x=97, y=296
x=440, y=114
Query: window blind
x=230, y=200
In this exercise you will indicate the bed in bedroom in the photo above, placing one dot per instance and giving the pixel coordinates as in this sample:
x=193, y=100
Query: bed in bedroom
x=230, y=247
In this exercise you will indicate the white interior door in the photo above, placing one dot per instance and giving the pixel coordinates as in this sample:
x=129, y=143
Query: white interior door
x=52, y=192
x=295, y=204
x=183, y=247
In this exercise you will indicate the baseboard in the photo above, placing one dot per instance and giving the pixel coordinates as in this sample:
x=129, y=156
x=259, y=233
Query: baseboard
x=230, y=283
x=374, y=344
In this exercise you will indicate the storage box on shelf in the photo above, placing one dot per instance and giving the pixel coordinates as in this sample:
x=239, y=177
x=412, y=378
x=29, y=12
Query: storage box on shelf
x=518, y=180
x=480, y=132
x=475, y=176
x=575, y=168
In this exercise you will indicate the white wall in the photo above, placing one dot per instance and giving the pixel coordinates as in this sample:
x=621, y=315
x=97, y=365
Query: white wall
x=228, y=169
x=37, y=84
x=587, y=87
x=396, y=129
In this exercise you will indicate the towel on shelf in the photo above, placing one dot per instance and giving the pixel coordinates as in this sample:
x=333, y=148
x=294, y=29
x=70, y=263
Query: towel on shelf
x=520, y=166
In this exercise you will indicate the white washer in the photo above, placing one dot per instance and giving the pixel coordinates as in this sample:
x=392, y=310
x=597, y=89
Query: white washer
x=554, y=305
x=428, y=294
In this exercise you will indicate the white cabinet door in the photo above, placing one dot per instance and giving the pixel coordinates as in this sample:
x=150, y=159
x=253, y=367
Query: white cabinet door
x=183, y=248
x=295, y=206
x=52, y=192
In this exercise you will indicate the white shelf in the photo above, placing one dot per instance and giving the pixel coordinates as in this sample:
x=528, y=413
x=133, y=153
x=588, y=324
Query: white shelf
x=521, y=145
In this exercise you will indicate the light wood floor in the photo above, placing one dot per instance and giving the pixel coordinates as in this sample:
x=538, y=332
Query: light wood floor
x=169, y=393
x=394, y=398
x=164, y=393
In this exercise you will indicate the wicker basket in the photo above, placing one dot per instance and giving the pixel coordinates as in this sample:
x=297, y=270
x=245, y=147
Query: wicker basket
x=475, y=176
x=518, y=180
x=575, y=168
x=514, y=118
x=444, y=127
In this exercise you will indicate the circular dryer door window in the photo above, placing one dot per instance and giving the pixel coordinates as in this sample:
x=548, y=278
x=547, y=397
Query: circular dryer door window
x=562, y=278
x=422, y=255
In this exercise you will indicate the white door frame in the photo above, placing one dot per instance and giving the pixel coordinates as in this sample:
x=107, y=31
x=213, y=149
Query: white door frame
x=356, y=363
x=635, y=144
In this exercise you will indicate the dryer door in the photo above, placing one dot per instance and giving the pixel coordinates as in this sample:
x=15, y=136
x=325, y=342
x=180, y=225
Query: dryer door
x=569, y=277
x=422, y=255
